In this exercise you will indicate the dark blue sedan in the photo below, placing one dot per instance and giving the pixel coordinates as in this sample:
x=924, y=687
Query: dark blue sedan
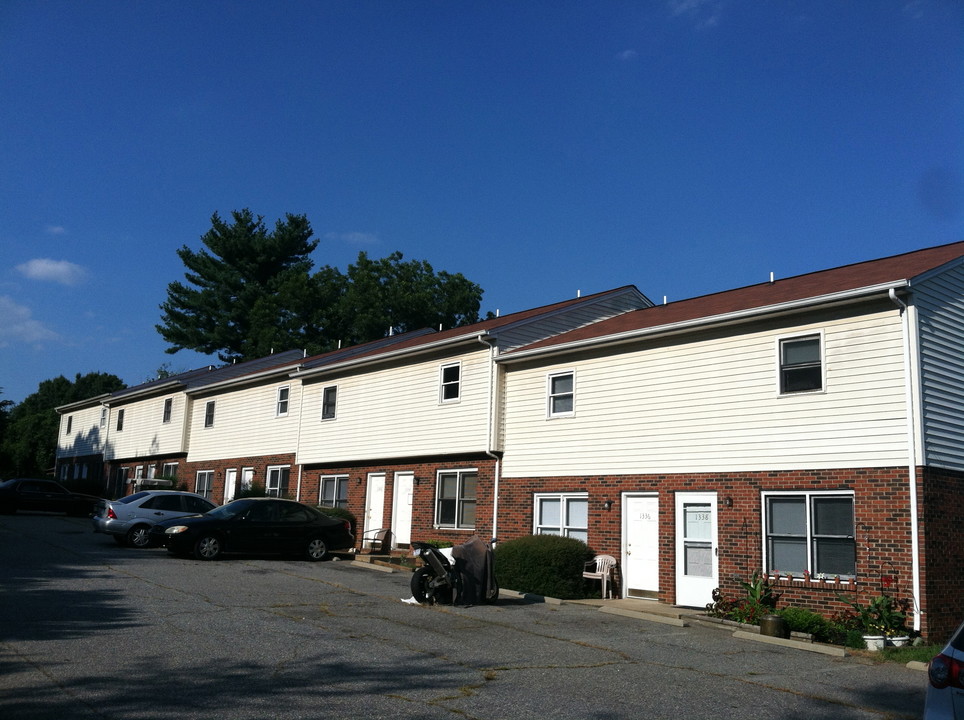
x=258, y=526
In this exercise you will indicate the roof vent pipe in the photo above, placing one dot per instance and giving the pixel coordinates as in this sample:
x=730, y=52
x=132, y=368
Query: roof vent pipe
x=664, y=299
x=771, y=277
x=578, y=293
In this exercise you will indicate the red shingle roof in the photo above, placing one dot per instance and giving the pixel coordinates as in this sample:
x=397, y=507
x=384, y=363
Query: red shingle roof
x=814, y=285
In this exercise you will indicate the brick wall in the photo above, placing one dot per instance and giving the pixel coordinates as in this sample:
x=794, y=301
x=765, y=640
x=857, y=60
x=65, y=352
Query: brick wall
x=942, y=549
x=882, y=520
x=423, y=500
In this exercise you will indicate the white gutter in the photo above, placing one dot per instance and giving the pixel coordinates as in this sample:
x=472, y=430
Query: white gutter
x=732, y=317
x=382, y=357
x=152, y=390
x=243, y=379
x=912, y=455
x=88, y=402
x=488, y=434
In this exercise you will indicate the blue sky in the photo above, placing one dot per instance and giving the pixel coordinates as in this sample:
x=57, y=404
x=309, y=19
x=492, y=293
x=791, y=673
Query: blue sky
x=539, y=148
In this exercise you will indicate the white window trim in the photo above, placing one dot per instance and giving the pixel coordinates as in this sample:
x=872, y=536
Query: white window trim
x=167, y=411
x=334, y=415
x=563, y=497
x=197, y=483
x=321, y=487
x=287, y=401
x=442, y=384
x=267, y=478
x=458, y=500
x=103, y=417
x=819, y=334
x=807, y=495
x=549, y=396
x=213, y=407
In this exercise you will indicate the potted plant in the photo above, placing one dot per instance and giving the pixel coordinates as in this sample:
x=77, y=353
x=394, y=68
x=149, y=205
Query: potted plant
x=880, y=619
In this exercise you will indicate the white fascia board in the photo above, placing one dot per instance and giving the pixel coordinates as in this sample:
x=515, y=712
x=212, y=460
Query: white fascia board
x=244, y=379
x=708, y=321
x=476, y=336
x=80, y=404
x=136, y=394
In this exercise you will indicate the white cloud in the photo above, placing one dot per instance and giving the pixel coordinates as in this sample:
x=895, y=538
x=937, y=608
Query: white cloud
x=627, y=55
x=17, y=323
x=354, y=238
x=56, y=230
x=58, y=271
x=705, y=13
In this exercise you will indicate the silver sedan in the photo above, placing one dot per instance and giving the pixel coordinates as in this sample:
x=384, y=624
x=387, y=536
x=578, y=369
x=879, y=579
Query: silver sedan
x=129, y=519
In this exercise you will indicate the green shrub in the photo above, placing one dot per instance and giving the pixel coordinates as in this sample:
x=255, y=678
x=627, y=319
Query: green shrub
x=807, y=621
x=255, y=489
x=548, y=565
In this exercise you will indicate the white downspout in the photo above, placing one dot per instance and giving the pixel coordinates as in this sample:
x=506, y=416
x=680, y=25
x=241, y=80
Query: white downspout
x=912, y=452
x=301, y=418
x=488, y=437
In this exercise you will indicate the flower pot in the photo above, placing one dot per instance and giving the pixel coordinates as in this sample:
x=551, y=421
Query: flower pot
x=774, y=626
x=898, y=641
x=875, y=642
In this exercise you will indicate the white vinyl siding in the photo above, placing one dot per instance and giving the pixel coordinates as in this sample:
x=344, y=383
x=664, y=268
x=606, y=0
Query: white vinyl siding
x=939, y=304
x=395, y=412
x=247, y=424
x=708, y=404
x=145, y=433
x=85, y=437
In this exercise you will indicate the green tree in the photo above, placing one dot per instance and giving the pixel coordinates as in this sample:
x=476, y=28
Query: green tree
x=29, y=444
x=250, y=288
x=250, y=292
x=389, y=294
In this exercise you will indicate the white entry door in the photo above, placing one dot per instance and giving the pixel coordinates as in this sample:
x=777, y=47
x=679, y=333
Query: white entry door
x=230, y=484
x=697, y=563
x=402, y=508
x=641, y=546
x=375, y=502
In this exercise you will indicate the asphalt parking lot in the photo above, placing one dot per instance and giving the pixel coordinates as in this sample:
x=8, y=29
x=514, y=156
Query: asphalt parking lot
x=92, y=630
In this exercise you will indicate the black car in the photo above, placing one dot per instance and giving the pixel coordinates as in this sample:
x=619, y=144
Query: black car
x=255, y=525
x=44, y=496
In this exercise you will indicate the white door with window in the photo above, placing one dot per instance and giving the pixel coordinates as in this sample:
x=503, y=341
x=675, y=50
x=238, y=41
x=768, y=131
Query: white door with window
x=402, y=508
x=230, y=484
x=375, y=502
x=641, y=546
x=697, y=563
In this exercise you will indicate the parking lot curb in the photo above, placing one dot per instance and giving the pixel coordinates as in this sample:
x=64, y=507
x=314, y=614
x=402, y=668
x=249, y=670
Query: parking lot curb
x=371, y=566
x=676, y=622
x=809, y=647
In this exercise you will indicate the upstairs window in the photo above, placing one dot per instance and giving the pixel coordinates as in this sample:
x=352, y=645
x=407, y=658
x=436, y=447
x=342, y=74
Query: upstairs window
x=168, y=407
x=120, y=420
x=209, y=414
x=561, y=394
x=801, y=365
x=329, y=397
x=450, y=377
x=810, y=532
x=281, y=408
x=70, y=423
x=103, y=417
